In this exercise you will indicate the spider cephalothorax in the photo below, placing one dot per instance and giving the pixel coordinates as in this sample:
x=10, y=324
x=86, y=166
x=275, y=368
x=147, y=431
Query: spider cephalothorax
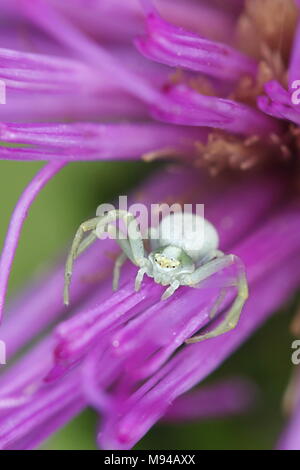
x=184, y=252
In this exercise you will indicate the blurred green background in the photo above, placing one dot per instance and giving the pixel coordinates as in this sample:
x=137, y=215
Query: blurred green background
x=72, y=197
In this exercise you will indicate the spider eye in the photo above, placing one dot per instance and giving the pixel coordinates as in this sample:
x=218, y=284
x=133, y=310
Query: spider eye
x=165, y=262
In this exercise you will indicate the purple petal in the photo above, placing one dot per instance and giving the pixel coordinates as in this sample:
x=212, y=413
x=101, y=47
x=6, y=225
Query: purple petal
x=39, y=72
x=278, y=103
x=171, y=45
x=50, y=19
x=17, y=220
x=24, y=106
x=89, y=141
x=291, y=437
x=188, y=107
x=282, y=112
x=225, y=398
x=293, y=71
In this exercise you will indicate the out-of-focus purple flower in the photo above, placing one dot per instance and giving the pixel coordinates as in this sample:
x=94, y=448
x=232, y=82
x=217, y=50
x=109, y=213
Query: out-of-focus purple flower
x=230, y=397
x=220, y=109
x=290, y=439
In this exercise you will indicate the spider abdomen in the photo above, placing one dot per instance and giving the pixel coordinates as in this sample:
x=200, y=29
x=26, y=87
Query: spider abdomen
x=192, y=233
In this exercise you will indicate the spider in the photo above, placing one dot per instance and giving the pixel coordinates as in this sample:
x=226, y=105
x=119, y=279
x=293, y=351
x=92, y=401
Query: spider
x=175, y=260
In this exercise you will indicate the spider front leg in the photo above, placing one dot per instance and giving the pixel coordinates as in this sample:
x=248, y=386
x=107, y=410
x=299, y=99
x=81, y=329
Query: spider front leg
x=123, y=256
x=78, y=246
x=232, y=316
x=117, y=270
x=133, y=248
x=213, y=255
x=139, y=278
x=133, y=244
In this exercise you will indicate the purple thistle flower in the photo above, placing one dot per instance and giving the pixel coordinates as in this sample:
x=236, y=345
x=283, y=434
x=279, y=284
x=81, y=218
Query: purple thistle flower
x=88, y=94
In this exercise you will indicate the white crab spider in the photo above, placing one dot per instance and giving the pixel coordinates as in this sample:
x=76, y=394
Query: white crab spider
x=174, y=260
